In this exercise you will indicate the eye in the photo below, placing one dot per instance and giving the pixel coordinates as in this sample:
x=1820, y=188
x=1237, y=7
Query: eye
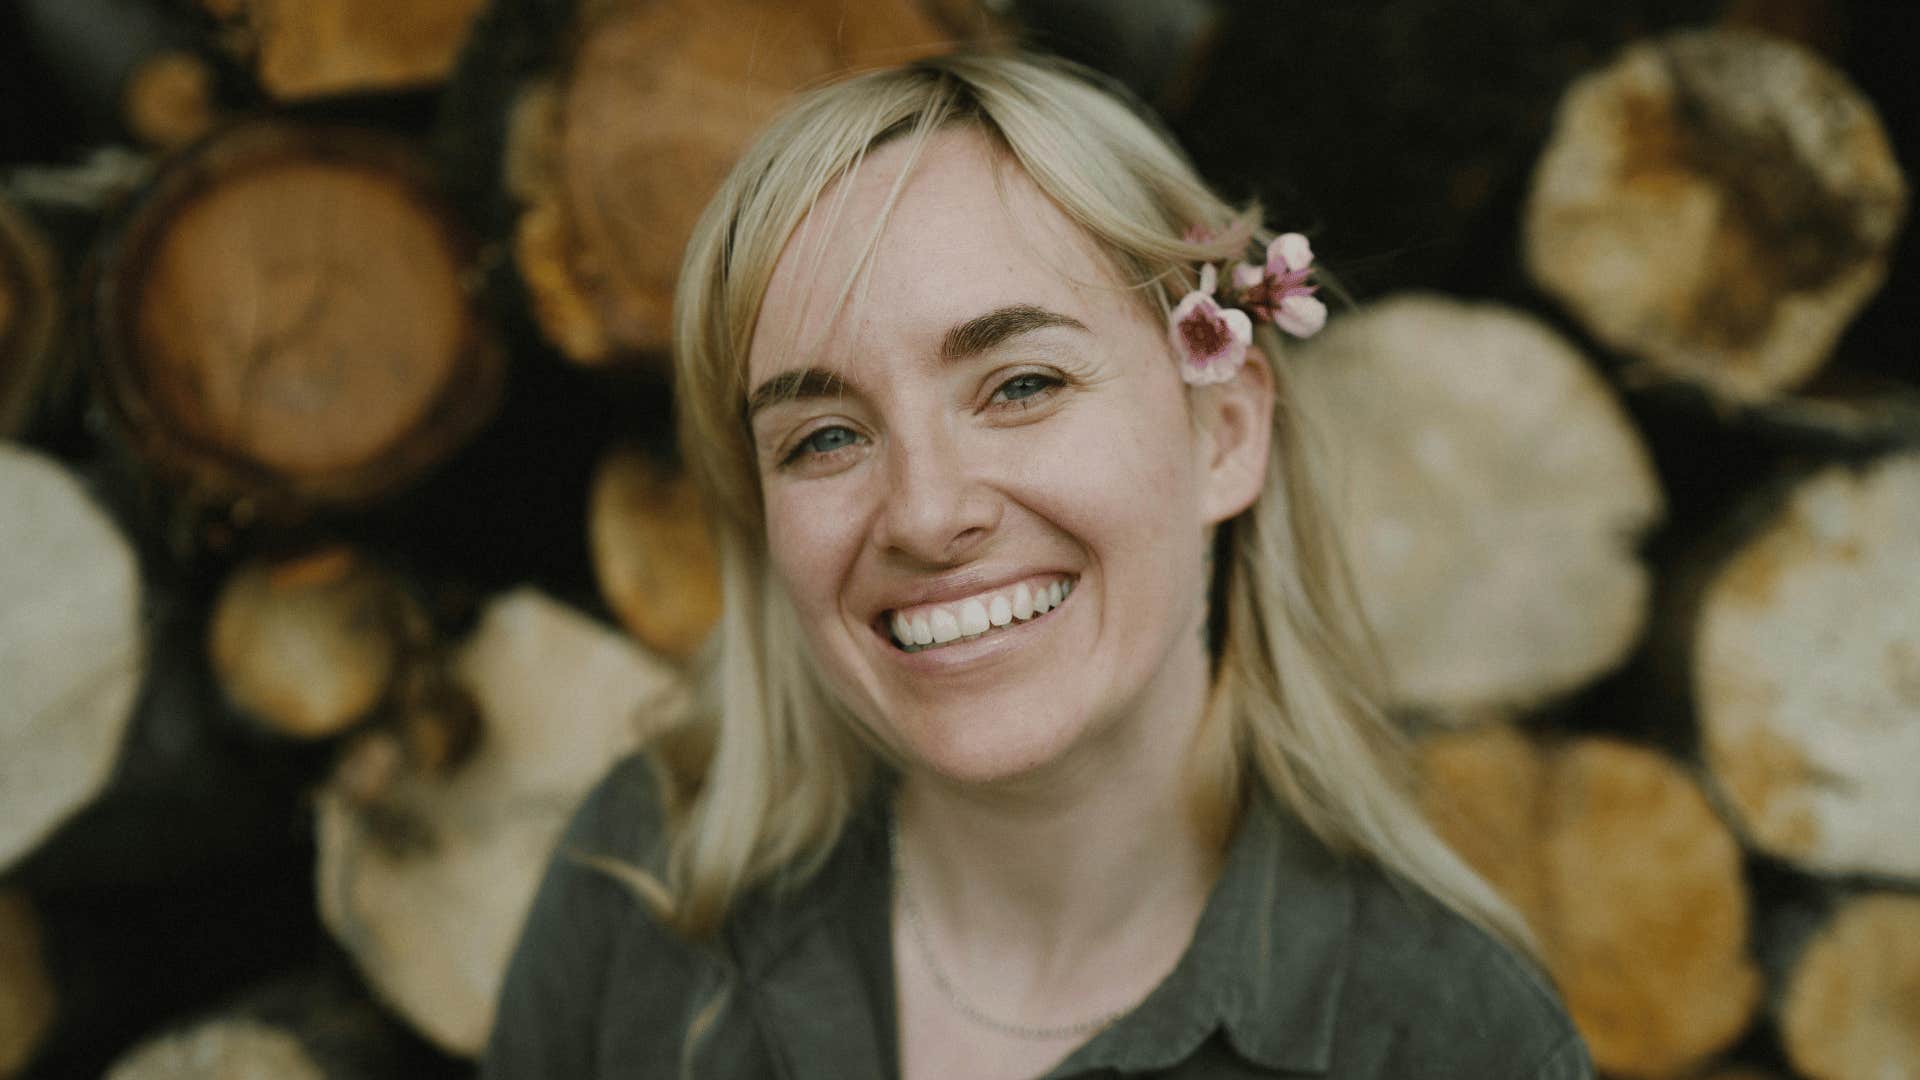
x=1024, y=387
x=823, y=441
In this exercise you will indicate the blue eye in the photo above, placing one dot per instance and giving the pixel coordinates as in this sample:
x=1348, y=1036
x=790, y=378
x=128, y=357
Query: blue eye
x=1022, y=387
x=824, y=441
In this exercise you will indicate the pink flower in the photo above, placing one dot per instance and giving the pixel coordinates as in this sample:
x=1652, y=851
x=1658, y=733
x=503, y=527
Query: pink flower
x=1279, y=293
x=1211, y=340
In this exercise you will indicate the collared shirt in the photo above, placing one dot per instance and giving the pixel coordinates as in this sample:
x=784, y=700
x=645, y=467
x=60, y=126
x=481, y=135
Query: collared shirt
x=1302, y=963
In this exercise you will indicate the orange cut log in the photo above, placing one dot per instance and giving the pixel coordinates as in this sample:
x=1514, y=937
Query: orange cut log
x=1852, y=1003
x=653, y=553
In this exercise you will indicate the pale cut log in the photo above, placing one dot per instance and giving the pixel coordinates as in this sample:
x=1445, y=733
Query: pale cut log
x=302, y=49
x=29, y=307
x=653, y=553
x=660, y=98
x=1491, y=492
x=309, y=645
x=286, y=319
x=1805, y=669
x=72, y=650
x=28, y=1001
x=1719, y=204
x=426, y=883
x=1851, y=1010
x=237, y=1049
x=1625, y=873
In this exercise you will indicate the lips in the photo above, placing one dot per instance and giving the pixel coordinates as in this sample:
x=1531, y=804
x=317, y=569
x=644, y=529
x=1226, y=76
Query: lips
x=929, y=626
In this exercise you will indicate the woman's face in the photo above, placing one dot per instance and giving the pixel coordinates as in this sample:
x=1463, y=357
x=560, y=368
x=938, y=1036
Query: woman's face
x=991, y=418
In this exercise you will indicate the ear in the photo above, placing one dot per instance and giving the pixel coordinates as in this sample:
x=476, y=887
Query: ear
x=1234, y=431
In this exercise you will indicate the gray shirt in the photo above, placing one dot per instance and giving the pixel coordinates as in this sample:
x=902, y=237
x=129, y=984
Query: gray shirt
x=1302, y=963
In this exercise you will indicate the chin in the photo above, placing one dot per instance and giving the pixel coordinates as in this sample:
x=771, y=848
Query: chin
x=983, y=745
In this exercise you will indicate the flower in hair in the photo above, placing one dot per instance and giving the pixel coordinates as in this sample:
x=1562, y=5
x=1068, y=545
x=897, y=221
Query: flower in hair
x=1211, y=340
x=1278, y=292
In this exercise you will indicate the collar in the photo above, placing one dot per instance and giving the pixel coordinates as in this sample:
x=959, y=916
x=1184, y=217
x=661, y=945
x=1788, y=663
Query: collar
x=1265, y=966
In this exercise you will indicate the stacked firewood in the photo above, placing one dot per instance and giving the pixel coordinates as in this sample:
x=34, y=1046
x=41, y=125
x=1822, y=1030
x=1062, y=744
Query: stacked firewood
x=342, y=544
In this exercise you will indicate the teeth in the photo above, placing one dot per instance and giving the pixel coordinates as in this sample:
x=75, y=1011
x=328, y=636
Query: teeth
x=939, y=626
x=1022, y=602
x=973, y=618
x=1000, y=613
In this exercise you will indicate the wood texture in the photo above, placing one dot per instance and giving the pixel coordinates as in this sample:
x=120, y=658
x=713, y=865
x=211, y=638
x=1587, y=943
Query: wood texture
x=653, y=554
x=1852, y=1006
x=1806, y=672
x=302, y=49
x=72, y=648
x=1719, y=204
x=427, y=881
x=286, y=319
x=1491, y=491
x=29, y=312
x=1628, y=877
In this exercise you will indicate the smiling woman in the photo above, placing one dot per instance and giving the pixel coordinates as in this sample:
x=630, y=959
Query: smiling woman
x=1040, y=733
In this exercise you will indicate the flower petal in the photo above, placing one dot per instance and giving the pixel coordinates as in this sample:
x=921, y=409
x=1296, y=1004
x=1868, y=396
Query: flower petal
x=1301, y=316
x=1209, y=279
x=1246, y=276
x=1289, y=252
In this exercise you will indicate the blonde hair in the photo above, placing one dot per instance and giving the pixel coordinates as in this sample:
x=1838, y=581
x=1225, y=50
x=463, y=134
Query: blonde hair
x=762, y=782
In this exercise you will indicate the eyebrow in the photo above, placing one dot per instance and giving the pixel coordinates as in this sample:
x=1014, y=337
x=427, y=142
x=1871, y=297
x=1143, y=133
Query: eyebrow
x=977, y=335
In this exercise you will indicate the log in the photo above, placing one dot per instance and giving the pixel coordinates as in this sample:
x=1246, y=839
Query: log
x=29, y=311
x=1805, y=668
x=171, y=99
x=1852, y=1004
x=71, y=647
x=310, y=645
x=304, y=49
x=425, y=880
x=285, y=321
x=1491, y=493
x=129, y=66
x=28, y=1002
x=653, y=554
x=309, y=1024
x=614, y=158
x=1625, y=873
x=1718, y=204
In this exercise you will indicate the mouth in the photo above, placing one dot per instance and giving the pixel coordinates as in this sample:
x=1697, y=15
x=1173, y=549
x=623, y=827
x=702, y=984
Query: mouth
x=933, y=626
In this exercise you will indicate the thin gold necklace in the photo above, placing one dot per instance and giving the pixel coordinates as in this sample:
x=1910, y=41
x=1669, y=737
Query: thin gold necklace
x=953, y=994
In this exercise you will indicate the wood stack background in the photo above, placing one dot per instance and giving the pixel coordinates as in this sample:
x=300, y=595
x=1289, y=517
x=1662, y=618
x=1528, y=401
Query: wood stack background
x=342, y=545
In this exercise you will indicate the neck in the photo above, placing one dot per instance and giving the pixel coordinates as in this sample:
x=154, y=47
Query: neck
x=1087, y=874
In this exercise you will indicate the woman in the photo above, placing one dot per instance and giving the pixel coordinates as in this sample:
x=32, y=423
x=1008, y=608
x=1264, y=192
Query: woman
x=1038, y=738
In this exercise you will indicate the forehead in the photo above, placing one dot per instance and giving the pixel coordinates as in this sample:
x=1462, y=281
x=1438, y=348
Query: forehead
x=969, y=232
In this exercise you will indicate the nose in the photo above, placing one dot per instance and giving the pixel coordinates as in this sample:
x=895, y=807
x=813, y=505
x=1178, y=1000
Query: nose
x=936, y=508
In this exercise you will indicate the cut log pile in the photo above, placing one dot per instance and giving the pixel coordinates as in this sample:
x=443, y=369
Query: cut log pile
x=363, y=555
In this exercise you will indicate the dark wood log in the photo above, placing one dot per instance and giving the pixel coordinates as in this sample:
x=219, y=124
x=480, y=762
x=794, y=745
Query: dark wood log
x=303, y=49
x=1491, y=491
x=425, y=879
x=1629, y=878
x=616, y=153
x=1803, y=666
x=29, y=313
x=1719, y=204
x=653, y=553
x=72, y=646
x=285, y=321
x=28, y=1002
x=1852, y=1004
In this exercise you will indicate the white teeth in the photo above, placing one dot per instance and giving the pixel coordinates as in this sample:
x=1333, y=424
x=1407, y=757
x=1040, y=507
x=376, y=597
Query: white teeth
x=999, y=613
x=1055, y=594
x=902, y=629
x=945, y=626
x=922, y=632
x=1042, y=601
x=973, y=618
x=1022, y=602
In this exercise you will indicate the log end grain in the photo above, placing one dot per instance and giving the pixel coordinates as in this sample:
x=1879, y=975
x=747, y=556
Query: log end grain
x=1852, y=1004
x=1806, y=673
x=1719, y=203
x=169, y=100
x=308, y=646
x=653, y=553
x=316, y=48
x=1491, y=492
x=226, y=1049
x=1631, y=882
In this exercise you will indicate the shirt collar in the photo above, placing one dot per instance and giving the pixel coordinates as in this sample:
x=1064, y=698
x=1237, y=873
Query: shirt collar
x=1265, y=967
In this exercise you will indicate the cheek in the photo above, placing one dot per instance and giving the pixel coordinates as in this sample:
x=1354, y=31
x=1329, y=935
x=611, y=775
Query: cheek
x=809, y=542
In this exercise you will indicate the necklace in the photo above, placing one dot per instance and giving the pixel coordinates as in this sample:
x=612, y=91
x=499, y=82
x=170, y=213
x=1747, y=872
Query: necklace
x=953, y=994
